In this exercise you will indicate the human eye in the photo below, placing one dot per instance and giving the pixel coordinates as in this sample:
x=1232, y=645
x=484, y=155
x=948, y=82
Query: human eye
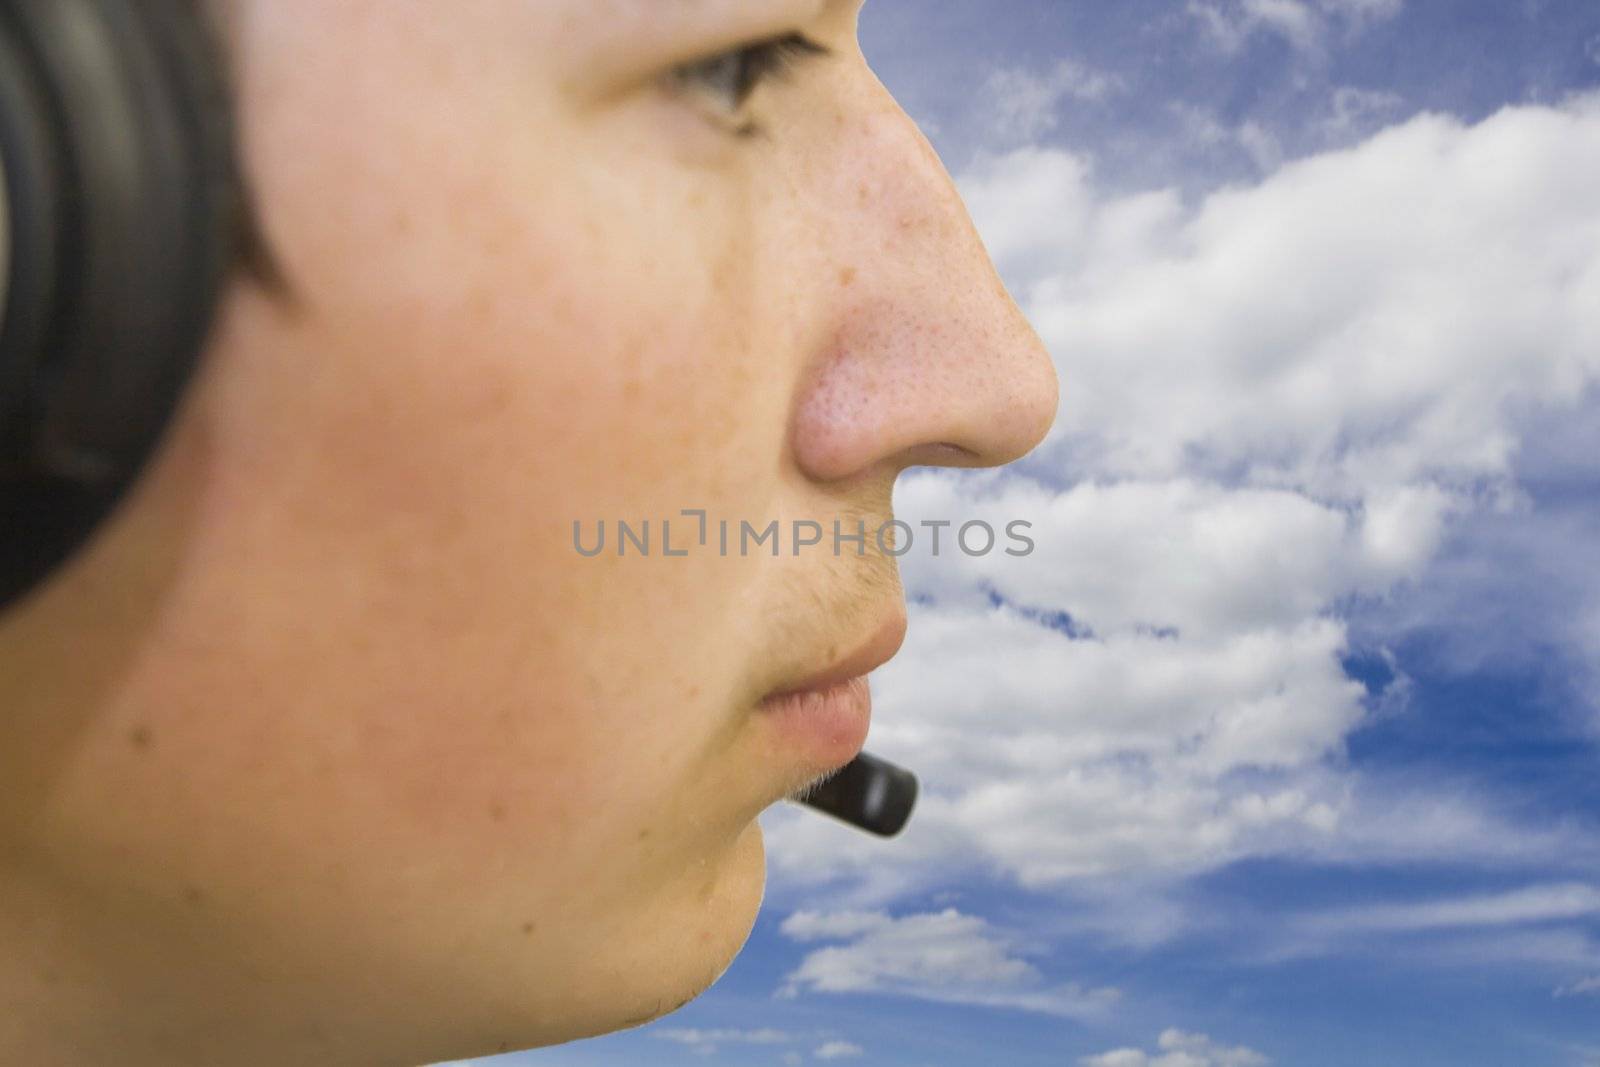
x=730, y=77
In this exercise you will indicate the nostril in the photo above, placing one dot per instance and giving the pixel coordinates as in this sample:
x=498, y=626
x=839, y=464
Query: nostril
x=960, y=450
x=942, y=454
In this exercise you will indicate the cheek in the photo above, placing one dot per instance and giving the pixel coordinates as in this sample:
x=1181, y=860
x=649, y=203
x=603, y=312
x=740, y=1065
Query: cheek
x=386, y=590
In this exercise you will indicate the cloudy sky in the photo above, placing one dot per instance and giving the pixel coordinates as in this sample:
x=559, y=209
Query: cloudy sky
x=1282, y=746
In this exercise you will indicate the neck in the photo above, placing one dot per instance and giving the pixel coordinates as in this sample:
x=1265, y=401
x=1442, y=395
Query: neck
x=86, y=979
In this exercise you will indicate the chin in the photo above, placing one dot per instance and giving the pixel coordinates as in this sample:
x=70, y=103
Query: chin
x=669, y=954
x=714, y=927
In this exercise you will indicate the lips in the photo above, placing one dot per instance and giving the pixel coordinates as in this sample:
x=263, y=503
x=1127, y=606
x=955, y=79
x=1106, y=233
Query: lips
x=876, y=651
x=821, y=720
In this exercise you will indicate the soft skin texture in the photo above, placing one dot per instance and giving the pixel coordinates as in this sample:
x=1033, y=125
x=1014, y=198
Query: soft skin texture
x=330, y=748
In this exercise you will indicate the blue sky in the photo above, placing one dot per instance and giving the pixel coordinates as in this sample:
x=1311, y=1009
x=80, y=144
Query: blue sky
x=1310, y=780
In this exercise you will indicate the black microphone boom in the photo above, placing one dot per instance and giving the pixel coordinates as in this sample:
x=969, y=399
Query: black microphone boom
x=869, y=793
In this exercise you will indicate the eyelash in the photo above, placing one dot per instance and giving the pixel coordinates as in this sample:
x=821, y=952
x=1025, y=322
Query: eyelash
x=747, y=68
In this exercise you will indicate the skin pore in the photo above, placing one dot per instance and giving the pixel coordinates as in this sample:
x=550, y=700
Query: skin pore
x=330, y=748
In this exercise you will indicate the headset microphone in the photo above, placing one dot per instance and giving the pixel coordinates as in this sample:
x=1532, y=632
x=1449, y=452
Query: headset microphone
x=870, y=794
x=120, y=212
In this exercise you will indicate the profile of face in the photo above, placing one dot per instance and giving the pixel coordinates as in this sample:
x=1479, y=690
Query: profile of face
x=331, y=748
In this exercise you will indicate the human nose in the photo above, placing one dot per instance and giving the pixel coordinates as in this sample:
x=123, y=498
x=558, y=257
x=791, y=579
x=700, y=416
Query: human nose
x=929, y=360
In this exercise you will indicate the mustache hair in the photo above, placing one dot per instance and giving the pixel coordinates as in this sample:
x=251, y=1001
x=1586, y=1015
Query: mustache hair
x=841, y=597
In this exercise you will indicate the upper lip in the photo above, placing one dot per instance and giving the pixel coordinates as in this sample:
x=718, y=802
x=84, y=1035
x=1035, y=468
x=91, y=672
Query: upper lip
x=874, y=652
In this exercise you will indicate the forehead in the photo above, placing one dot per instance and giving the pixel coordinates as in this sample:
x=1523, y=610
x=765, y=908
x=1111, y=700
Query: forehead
x=587, y=42
x=590, y=46
x=609, y=25
x=596, y=47
x=634, y=12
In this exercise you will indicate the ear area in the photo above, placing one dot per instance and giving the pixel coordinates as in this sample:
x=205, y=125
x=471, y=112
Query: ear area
x=132, y=159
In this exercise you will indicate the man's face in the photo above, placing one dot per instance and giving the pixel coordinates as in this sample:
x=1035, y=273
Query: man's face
x=360, y=718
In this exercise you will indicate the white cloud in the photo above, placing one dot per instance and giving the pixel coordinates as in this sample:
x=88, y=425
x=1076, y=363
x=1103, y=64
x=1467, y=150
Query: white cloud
x=1203, y=129
x=1355, y=111
x=1278, y=401
x=947, y=957
x=707, y=1042
x=1362, y=12
x=1305, y=25
x=1534, y=904
x=1582, y=987
x=1541, y=927
x=1260, y=144
x=1230, y=25
x=1056, y=758
x=1351, y=114
x=1422, y=821
x=1178, y=1049
x=1024, y=104
x=1533, y=563
x=1336, y=326
x=808, y=926
x=1295, y=21
x=1538, y=949
x=1200, y=125
x=1037, y=205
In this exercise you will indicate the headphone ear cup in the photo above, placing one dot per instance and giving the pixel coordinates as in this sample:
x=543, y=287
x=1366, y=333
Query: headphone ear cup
x=138, y=150
x=30, y=179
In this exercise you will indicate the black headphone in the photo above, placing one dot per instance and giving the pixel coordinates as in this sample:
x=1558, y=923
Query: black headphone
x=119, y=204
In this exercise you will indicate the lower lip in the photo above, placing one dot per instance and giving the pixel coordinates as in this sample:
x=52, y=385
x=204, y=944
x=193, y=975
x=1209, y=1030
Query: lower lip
x=828, y=724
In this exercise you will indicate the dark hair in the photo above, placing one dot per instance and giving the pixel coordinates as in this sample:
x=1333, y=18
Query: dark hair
x=253, y=255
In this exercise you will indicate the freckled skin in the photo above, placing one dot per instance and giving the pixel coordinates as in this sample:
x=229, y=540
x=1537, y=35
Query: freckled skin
x=331, y=749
